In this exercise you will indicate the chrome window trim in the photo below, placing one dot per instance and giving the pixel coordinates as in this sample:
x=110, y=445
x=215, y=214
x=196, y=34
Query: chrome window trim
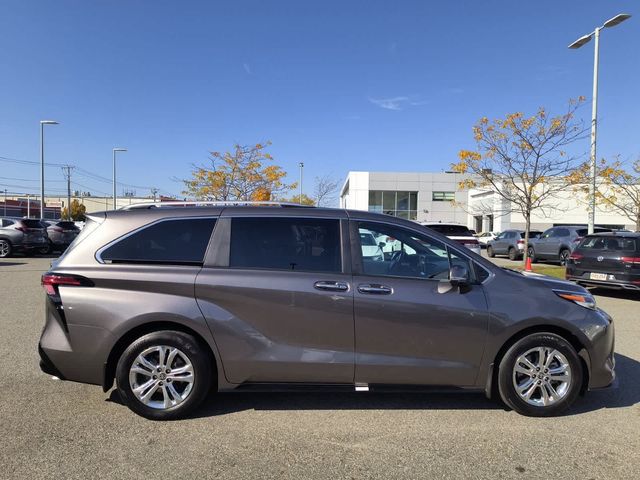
x=98, y=254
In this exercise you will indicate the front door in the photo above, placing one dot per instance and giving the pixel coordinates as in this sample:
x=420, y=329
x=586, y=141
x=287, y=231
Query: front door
x=412, y=326
x=280, y=305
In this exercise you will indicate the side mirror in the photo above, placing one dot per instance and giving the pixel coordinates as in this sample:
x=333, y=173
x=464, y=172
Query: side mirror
x=382, y=245
x=459, y=276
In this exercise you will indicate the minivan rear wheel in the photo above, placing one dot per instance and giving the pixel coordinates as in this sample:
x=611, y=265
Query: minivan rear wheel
x=164, y=375
x=540, y=375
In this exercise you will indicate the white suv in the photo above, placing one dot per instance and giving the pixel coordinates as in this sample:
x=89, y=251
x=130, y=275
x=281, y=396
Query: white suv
x=457, y=232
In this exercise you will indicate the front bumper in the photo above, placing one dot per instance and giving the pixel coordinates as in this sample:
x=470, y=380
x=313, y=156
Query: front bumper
x=601, y=360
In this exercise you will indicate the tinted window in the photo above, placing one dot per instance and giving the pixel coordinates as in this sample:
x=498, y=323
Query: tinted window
x=182, y=241
x=32, y=223
x=534, y=234
x=305, y=244
x=561, y=232
x=609, y=243
x=67, y=225
x=405, y=253
x=451, y=230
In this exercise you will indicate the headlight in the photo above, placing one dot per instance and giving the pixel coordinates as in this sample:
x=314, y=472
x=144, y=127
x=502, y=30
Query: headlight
x=583, y=299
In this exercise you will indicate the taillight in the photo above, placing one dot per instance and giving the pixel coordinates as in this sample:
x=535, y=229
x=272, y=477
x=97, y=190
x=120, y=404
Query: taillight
x=57, y=229
x=520, y=242
x=22, y=229
x=633, y=260
x=470, y=243
x=577, y=240
x=51, y=282
x=576, y=256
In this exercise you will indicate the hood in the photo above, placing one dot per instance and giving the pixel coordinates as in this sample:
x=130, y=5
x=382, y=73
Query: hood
x=550, y=282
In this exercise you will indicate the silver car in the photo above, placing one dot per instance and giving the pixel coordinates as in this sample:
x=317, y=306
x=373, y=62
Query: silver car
x=21, y=235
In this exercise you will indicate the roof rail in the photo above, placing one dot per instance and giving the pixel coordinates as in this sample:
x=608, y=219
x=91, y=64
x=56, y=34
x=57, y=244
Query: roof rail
x=218, y=203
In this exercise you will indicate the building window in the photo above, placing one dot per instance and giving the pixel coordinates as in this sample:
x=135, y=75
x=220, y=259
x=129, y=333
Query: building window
x=398, y=204
x=443, y=196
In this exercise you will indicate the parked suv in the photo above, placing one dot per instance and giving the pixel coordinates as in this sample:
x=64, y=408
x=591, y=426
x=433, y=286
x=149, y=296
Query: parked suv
x=510, y=243
x=557, y=243
x=24, y=235
x=608, y=260
x=60, y=233
x=175, y=302
x=459, y=233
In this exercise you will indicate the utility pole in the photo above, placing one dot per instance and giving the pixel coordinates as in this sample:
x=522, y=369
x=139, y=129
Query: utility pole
x=301, y=165
x=28, y=205
x=5, y=202
x=154, y=192
x=66, y=171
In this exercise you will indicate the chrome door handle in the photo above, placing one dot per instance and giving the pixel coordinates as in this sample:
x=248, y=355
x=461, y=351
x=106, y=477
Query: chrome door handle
x=375, y=289
x=331, y=286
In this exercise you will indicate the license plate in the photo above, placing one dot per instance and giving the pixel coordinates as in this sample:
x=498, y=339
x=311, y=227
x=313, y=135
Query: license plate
x=598, y=276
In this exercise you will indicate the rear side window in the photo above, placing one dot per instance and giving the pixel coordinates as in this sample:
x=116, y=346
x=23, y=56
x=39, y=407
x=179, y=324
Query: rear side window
x=561, y=232
x=29, y=223
x=301, y=244
x=609, y=243
x=181, y=241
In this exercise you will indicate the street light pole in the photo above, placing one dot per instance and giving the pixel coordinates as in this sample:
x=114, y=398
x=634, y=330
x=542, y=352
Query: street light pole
x=115, y=150
x=301, y=165
x=42, y=124
x=594, y=108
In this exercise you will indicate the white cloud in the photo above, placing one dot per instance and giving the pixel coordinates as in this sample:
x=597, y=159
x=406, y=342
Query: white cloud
x=394, y=103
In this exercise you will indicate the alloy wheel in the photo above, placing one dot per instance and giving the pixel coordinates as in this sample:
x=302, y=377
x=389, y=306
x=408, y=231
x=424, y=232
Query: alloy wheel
x=161, y=377
x=542, y=376
x=5, y=248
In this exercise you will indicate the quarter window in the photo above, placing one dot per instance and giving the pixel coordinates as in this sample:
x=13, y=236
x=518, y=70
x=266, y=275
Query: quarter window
x=180, y=241
x=300, y=244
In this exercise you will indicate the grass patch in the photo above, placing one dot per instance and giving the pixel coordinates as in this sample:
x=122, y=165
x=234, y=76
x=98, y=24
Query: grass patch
x=551, y=270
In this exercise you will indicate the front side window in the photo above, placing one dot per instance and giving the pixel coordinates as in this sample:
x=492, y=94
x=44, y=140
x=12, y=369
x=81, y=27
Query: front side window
x=404, y=253
x=548, y=233
x=300, y=244
x=180, y=241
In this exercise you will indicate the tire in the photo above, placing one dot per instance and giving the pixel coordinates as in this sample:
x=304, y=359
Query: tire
x=564, y=255
x=46, y=250
x=531, y=253
x=5, y=248
x=167, y=397
x=490, y=252
x=512, y=254
x=541, y=401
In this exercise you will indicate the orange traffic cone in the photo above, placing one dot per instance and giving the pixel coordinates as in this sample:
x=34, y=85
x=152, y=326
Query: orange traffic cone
x=527, y=266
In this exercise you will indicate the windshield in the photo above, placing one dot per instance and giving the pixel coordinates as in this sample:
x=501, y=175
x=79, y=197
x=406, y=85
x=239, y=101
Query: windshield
x=609, y=243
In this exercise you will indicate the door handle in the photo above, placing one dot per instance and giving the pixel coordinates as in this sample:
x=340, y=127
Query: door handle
x=331, y=286
x=375, y=289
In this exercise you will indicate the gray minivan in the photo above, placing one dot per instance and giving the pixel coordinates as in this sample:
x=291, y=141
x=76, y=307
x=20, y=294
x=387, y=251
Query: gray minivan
x=175, y=302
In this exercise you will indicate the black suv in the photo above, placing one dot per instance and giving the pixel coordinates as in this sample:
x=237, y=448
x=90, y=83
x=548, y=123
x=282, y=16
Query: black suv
x=609, y=260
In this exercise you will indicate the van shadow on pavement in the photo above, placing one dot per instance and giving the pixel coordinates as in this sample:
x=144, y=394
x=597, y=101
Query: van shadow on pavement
x=625, y=395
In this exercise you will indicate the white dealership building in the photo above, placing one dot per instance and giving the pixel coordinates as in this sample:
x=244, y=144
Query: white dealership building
x=434, y=197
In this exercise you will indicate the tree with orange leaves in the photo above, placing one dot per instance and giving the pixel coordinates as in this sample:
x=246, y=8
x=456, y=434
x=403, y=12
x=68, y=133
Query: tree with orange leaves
x=524, y=160
x=244, y=174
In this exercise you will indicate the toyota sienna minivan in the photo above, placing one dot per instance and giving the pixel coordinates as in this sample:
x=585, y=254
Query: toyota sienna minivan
x=171, y=303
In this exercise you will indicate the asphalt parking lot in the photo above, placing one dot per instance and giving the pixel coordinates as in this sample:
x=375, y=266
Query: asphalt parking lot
x=53, y=429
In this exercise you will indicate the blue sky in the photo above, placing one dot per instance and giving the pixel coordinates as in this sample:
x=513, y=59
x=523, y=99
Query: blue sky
x=339, y=85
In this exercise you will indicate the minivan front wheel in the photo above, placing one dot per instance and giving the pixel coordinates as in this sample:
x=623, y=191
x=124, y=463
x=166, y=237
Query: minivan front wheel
x=540, y=375
x=164, y=375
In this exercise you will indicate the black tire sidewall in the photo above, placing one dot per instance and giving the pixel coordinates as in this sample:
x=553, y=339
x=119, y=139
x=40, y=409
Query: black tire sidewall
x=512, y=254
x=564, y=261
x=505, y=372
x=490, y=251
x=198, y=357
x=532, y=254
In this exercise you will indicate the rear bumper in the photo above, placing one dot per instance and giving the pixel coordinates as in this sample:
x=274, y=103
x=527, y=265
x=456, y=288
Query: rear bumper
x=611, y=284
